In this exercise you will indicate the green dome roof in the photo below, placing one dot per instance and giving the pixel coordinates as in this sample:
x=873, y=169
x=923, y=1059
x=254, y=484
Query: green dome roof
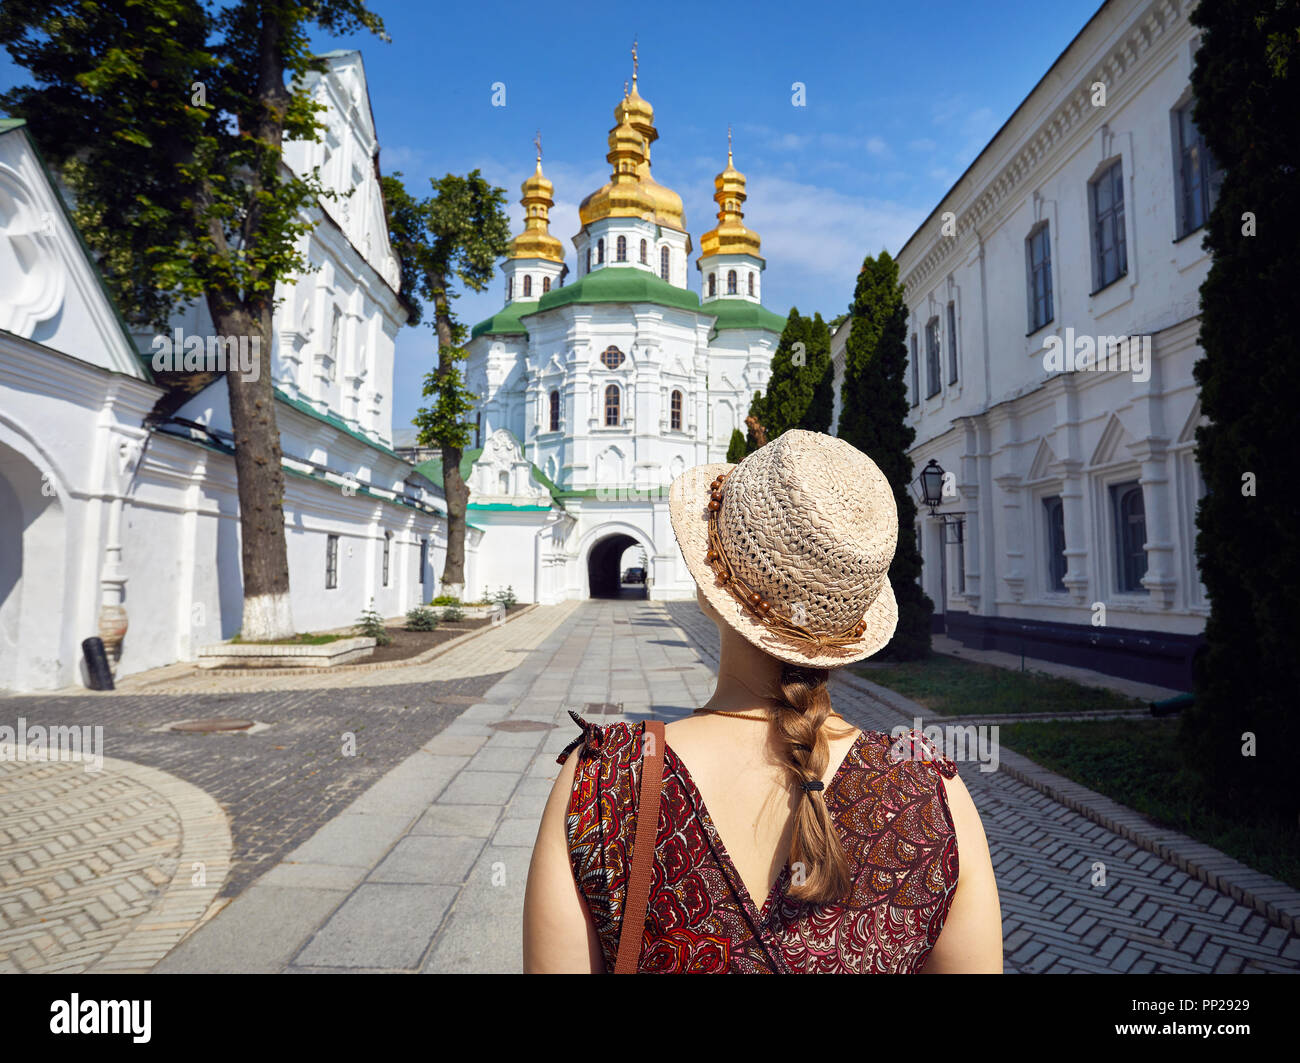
x=619, y=284
x=505, y=322
x=742, y=314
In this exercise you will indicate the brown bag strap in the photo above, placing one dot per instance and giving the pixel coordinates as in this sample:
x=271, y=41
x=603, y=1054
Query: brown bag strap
x=632, y=933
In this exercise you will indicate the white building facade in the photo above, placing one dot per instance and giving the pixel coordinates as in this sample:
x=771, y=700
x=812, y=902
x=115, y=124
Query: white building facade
x=596, y=394
x=120, y=524
x=1053, y=317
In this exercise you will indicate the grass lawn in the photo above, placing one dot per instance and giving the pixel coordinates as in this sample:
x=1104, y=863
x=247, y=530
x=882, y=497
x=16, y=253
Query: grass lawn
x=303, y=639
x=954, y=687
x=1138, y=764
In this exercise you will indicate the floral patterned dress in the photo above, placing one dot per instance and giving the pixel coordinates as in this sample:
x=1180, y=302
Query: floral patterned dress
x=890, y=808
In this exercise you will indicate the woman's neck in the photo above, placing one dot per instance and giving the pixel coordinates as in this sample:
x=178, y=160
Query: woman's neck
x=748, y=678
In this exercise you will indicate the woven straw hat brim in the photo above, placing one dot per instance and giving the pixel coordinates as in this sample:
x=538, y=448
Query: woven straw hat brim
x=688, y=498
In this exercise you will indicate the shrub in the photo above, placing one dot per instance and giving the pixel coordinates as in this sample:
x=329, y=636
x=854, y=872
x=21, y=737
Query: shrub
x=453, y=612
x=506, y=597
x=371, y=625
x=445, y=599
x=422, y=618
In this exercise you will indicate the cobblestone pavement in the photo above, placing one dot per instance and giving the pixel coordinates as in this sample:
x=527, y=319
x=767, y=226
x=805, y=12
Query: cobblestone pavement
x=1148, y=917
x=101, y=870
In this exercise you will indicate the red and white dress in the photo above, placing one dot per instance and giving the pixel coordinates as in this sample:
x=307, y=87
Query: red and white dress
x=890, y=809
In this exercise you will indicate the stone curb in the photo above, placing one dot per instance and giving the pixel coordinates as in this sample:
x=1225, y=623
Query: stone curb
x=1273, y=899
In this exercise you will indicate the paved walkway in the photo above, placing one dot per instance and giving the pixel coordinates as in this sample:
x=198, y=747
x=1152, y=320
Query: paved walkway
x=426, y=870
x=109, y=869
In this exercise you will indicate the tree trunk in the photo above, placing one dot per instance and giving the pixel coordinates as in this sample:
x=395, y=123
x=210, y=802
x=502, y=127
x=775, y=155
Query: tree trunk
x=454, y=488
x=260, y=476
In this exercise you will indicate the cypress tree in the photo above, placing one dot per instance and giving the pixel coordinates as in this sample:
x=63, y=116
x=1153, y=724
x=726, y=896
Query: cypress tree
x=821, y=406
x=737, y=449
x=790, y=387
x=873, y=416
x=1246, y=82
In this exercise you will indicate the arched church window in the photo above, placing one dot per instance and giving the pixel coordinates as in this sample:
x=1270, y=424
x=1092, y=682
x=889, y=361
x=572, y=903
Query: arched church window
x=546, y=285
x=528, y=286
x=611, y=357
x=588, y=260
x=611, y=406
x=600, y=251
x=510, y=288
x=676, y=411
x=621, y=255
x=663, y=262
x=731, y=282
x=644, y=250
x=713, y=285
x=555, y=411
x=751, y=282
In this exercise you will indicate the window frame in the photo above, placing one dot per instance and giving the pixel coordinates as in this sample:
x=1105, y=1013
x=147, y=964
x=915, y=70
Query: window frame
x=1124, y=556
x=1209, y=174
x=675, y=402
x=1115, y=217
x=620, y=248
x=1054, y=514
x=600, y=251
x=713, y=285
x=933, y=374
x=733, y=283
x=952, y=342
x=528, y=286
x=612, y=350
x=916, y=374
x=645, y=250
x=1035, y=269
x=751, y=282
x=554, y=412
x=331, y=562
x=663, y=262
x=616, y=406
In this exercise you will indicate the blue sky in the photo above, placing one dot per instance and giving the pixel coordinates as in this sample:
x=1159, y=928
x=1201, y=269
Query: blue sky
x=900, y=100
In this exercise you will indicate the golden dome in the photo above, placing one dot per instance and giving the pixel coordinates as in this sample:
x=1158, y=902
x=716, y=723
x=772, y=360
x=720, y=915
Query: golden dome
x=729, y=236
x=665, y=204
x=536, y=240
x=623, y=196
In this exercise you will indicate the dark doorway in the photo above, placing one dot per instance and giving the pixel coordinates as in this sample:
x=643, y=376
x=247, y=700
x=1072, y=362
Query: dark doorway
x=605, y=577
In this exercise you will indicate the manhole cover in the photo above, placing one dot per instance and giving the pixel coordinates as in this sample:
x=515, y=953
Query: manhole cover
x=521, y=725
x=602, y=708
x=214, y=723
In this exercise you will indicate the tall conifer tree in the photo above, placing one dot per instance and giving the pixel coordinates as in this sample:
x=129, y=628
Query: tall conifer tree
x=1246, y=82
x=873, y=417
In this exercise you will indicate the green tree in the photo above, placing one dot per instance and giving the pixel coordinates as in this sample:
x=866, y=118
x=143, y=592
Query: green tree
x=1246, y=82
x=166, y=120
x=873, y=417
x=455, y=235
x=821, y=406
x=736, y=449
x=790, y=387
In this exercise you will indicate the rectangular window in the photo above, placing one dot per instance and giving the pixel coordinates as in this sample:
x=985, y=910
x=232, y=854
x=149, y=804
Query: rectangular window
x=1130, y=536
x=331, y=562
x=1054, y=512
x=424, y=557
x=1109, y=255
x=932, y=357
x=952, y=343
x=388, y=544
x=1199, y=176
x=1038, y=262
x=916, y=375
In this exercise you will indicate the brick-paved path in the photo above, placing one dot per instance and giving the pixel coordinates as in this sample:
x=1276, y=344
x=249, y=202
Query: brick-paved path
x=1148, y=917
x=280, y=785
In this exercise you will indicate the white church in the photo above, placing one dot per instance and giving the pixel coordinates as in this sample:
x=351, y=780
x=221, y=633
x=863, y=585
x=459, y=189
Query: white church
x=594, y=395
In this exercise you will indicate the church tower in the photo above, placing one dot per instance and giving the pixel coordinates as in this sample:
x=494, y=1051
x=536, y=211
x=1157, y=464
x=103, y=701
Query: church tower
x=535, y=262
x=729, y=262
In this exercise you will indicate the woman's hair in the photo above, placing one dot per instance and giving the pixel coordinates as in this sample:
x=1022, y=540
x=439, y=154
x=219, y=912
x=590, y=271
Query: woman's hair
x=798, y=722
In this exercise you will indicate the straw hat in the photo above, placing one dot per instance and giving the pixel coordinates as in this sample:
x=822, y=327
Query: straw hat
x=795, y=554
